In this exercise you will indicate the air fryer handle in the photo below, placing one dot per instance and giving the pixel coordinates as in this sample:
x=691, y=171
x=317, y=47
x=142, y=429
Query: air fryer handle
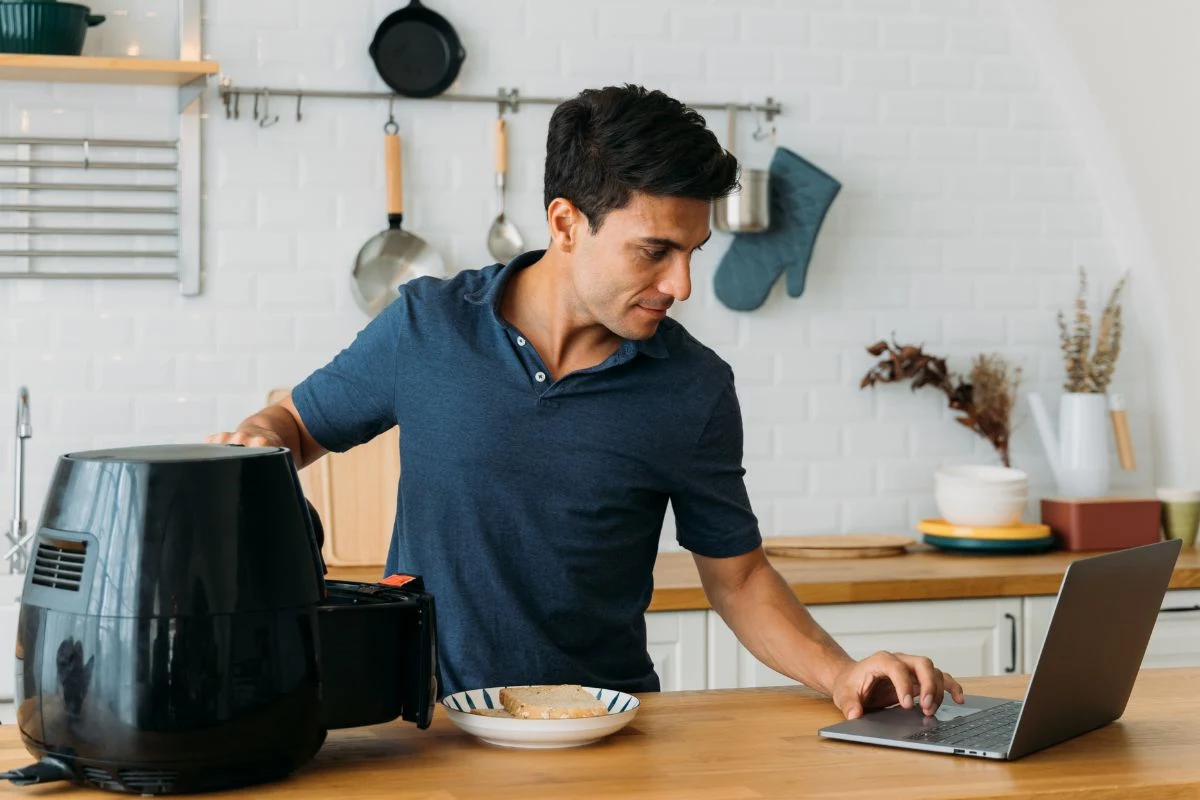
x=424, y=688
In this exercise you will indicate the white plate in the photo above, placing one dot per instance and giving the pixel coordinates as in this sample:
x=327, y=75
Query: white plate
x=538, y=734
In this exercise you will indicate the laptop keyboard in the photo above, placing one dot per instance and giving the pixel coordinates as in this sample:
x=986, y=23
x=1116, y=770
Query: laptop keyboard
x=990, y=729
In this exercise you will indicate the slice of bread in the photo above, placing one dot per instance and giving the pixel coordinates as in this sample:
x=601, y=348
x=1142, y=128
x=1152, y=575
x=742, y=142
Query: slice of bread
x=568, y=701
x=491, y=712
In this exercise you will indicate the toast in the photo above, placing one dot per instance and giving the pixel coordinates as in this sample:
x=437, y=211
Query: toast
x=491, y=712
x=567, y=701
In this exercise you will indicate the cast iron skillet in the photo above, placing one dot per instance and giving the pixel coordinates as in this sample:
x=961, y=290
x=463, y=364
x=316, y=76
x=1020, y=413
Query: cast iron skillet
x=416, y=51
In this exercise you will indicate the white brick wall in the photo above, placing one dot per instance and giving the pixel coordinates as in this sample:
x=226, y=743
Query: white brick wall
x=964, y=212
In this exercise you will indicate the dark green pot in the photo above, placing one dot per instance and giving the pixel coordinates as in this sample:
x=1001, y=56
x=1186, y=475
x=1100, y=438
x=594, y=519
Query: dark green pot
x=44, y=28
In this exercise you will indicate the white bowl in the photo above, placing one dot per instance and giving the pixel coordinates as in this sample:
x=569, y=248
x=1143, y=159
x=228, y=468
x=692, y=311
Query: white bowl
x=538, y=734
x=981, y=509
x=980, y=475
x=984, y=491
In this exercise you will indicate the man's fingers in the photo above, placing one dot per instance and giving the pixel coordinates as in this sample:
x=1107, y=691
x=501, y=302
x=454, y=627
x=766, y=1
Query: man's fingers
x=902, y=679
x=930, y=679
x=238, y=437
x=956, y=690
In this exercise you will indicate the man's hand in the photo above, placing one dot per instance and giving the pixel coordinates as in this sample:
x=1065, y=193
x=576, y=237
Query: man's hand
x=249, y=435
x=277, y=425
x=884, y=679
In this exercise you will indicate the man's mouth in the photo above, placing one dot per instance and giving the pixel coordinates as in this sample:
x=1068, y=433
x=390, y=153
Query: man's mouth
x=658, y=312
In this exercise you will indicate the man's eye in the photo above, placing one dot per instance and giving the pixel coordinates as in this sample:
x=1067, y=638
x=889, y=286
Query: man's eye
x=655, y=255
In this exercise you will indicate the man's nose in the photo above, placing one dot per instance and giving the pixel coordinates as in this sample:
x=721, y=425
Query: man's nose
x=678, y=281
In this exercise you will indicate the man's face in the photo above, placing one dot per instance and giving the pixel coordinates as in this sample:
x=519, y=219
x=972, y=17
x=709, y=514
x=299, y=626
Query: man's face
x=630, y=272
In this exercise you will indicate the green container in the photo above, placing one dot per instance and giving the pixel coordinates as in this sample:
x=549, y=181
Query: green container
x=44, y=27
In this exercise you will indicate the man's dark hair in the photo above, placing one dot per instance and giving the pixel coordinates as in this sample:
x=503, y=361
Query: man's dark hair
x=605, y=144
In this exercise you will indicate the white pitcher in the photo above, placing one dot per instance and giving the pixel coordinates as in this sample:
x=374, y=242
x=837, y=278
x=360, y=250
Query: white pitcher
x=1078, y=454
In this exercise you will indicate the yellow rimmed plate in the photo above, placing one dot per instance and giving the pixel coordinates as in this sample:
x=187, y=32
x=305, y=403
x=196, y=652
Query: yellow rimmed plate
x=1018, y=532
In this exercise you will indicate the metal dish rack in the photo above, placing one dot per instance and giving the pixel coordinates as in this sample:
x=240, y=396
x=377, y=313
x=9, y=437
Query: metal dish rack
x=135, y=211
x=126, y=192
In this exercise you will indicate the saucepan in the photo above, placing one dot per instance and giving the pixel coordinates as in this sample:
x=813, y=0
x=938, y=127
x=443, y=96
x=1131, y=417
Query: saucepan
x=748, y=208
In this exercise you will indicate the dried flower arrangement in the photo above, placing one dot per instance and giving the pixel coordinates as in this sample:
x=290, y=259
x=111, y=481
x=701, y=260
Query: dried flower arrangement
x=984, y=401
x=1091, y=373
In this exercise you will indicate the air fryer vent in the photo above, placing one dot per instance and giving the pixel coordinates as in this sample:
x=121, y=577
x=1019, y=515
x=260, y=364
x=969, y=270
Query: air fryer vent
x=148, y=781
x=58, y=564
x=101, y=779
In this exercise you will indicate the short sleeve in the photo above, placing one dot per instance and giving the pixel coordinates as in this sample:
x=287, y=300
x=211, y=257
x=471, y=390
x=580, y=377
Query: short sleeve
x=712, y=508
x=352, y=399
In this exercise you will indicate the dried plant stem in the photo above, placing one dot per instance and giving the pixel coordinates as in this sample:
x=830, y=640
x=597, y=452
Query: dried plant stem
x=1089, y=370
x=985, y=403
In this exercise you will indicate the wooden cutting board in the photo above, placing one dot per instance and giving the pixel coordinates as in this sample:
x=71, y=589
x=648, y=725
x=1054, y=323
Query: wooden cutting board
x=849, y=545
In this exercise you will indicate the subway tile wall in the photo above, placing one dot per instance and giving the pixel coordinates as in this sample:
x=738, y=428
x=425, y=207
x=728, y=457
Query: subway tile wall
x=964, y=213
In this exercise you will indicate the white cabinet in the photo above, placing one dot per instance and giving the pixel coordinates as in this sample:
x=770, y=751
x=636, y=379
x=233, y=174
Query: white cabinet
x=1174, y=643
x=963, y=637
x=677, y=643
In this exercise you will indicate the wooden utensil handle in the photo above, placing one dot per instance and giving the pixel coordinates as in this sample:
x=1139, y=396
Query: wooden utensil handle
x=395, y=176
x=1124, y=441
x=501, y=146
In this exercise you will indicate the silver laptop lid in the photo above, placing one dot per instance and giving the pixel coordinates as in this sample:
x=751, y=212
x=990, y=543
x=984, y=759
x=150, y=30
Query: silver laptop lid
x=1105, y=612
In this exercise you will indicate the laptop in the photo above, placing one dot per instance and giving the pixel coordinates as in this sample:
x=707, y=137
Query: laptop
x=1103, y=617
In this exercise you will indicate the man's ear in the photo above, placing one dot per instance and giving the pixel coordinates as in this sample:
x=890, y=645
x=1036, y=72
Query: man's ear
x=566, y=223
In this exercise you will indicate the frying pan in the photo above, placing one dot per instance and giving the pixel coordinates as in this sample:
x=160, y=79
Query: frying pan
x=416, y=51
x=393, y=256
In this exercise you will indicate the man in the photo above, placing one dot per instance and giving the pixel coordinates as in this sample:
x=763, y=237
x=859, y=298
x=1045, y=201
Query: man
x=549, y=409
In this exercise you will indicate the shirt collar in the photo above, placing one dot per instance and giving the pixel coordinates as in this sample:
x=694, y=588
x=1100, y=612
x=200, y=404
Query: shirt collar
x=491, y=292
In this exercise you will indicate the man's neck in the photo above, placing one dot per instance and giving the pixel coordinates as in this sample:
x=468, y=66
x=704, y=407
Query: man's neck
x=541, y=302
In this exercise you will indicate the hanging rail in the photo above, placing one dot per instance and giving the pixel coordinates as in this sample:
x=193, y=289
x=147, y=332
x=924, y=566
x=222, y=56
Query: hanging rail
x=508, y=99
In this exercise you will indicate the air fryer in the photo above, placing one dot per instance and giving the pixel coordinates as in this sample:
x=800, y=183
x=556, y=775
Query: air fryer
x=177, y=634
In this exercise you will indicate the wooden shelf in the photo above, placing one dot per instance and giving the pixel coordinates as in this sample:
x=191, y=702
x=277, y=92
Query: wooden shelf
x=93, y=69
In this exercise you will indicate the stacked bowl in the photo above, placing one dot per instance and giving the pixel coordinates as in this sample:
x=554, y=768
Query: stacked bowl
x=981, y=508
x=981, y=496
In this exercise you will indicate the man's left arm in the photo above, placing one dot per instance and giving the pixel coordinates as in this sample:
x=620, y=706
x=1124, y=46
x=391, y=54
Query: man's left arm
x=761, y=609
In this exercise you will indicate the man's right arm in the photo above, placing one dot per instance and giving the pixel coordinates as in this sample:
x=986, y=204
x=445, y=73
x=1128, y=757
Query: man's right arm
x=277, y=425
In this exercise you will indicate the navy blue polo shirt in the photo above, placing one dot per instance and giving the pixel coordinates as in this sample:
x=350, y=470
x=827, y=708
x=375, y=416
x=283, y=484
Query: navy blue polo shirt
x=533, y=507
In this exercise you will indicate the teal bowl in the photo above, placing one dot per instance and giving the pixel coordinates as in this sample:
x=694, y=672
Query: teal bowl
x=35, y=27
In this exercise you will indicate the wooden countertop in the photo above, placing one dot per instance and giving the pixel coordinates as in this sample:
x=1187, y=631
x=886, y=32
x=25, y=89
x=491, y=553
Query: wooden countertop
x=742, y=743
x=921, y=574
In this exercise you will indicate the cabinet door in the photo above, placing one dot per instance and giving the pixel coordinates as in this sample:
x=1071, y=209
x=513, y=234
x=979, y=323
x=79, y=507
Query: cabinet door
x=1176, y=638
x=1174, y=643
x=963, y=637
x=676, y=643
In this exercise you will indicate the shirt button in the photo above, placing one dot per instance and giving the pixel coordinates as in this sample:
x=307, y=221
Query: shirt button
x=540, y=377
x=521, y=341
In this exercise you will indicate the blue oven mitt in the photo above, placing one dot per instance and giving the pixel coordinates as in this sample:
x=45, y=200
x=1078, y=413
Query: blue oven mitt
x=800, y=195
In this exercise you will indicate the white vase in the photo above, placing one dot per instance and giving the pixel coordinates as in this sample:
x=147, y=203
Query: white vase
x=1078, y=453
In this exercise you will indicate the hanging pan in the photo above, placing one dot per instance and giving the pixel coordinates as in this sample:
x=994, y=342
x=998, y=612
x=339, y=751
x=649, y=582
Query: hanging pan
x=416, y=51
x=392, y=256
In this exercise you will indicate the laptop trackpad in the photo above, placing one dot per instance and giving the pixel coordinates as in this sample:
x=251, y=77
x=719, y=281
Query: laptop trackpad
x=951, y=710
x=914, y=718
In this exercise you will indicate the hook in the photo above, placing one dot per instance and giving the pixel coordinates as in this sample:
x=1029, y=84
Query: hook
x=760, y=131
x=390, y=126
x=267, y=120
x=227, y=99
x=256, y=105
x=502, y=104
x=237, y=105
x=299, y=97
x=514, y=100
x=86, y=155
